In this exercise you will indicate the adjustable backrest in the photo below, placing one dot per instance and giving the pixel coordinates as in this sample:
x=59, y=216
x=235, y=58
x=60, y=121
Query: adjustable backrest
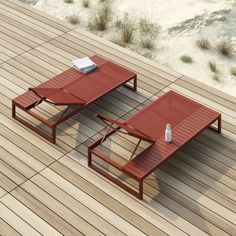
x=129, y=129
x=57, y=96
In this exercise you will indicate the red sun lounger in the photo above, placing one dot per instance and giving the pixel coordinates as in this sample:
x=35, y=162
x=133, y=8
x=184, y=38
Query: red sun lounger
x=187, y=118
x=72, y=88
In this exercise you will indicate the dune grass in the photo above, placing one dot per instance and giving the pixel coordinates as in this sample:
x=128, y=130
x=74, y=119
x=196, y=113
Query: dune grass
x=216, y=77
x=233, y=71
x=146, y=26
x=212, y=66
x=147, y=42
x=203, y=44
x=224, y=48
x=101, y=17
x=148, y=32
x=73, y=19
x=117, y=39
x=126, y=30
x=86, y=3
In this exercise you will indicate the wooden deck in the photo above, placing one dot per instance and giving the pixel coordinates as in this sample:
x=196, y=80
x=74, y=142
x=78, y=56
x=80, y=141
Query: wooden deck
x=48, y=189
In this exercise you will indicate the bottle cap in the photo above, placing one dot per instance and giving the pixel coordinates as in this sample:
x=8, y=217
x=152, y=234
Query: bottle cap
x=168, y=126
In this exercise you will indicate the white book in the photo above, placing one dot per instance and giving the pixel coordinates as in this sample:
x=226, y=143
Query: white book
x=88, y=69
x=84, y=63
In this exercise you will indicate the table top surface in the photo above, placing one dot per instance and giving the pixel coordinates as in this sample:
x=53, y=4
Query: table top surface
x=85, y=87
x=187, y=118
x=171, y=108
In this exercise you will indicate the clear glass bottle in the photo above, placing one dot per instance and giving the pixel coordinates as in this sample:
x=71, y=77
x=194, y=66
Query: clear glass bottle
x=168, y=133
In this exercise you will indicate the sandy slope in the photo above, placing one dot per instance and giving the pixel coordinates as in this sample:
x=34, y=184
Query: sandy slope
x=182, y=22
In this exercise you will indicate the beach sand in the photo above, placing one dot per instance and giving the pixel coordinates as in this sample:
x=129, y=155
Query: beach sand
x=182, y=23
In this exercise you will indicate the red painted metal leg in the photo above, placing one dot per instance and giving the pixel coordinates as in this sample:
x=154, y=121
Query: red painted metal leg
x=135, y=83
x=218, y=129
x=53, y=134
x=51, y=138
x=219, y=124
x=140, y=194
x=89, y=157
x=134, y=87
x=13, y=110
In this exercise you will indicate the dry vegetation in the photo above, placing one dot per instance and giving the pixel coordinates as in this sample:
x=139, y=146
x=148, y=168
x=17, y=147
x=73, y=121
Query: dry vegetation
x=233, y=71
x=86, y=3
x=212, y=66
x=224, y=48
x=148, y=33
x=126, y=29
x=147, y=42
x=101, y=17
x=148, y=27
x=215, y=77
x=117, y=40
x=203, y=44
x=73, y=19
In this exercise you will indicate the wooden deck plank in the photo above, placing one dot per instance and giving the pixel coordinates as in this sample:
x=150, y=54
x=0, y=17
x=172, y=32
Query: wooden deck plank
x=85, y=210
x=193, y=193
x=30, y=217
x=22, y=155
x=16, y=222
x=112, y=202
x=196, y=183
x=213, y=179
x=6, y=229
x=150, y=207
x=16, y=35
x=55, y=151
x=50, y=217
x=24, y=76
x=29, y=39
x=40, y=16
x=29, y=21
x=156, y=190
x=18, y=165
x=11, y=47
x=38, y=154
x=15, y=42
x=222, y=200
x=7, y=20
x=5, y=184
x=60, y=209
x=212, y=93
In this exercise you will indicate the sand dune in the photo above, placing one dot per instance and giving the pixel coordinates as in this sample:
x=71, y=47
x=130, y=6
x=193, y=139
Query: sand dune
x=182, y=23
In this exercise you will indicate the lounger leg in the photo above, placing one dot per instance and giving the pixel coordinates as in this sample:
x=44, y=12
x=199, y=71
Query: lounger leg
x=89, y=157
x=219, y=124
x=54, y=134
x=140, y=194
x=13, y=110
x=51, y=138
x=135, y=83
x=218, y=128
x=134, y=87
